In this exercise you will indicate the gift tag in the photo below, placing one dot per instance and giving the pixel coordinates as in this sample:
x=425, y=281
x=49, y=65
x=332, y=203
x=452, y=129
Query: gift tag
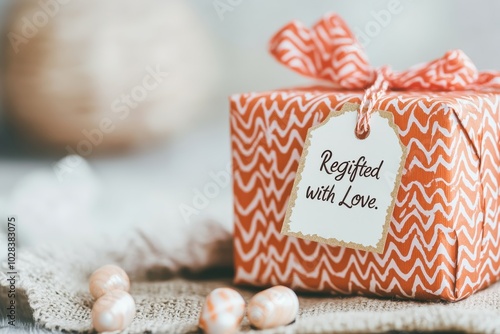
x=345, y=188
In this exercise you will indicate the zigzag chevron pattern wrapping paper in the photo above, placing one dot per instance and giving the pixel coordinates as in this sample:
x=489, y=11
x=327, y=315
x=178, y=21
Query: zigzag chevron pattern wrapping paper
x=444, y=237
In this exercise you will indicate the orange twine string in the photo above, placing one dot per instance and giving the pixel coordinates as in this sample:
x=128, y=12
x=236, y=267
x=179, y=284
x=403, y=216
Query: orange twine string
x=372, y=94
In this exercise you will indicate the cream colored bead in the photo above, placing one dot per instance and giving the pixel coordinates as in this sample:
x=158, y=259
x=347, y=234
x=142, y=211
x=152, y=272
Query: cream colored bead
x=222, y=312
x=106, y=279
x=114, y=311
x=276, y=306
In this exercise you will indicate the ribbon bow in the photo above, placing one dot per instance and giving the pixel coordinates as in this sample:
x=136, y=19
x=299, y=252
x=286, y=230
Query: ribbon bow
x=330, y=51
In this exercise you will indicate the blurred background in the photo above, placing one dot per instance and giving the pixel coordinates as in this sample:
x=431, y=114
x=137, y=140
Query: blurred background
x=138, y=89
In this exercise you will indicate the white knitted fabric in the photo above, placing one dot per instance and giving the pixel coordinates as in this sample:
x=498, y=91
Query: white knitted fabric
x=55, y=284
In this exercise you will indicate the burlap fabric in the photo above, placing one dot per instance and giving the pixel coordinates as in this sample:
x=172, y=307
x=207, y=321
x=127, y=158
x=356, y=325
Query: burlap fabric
x=55, y=286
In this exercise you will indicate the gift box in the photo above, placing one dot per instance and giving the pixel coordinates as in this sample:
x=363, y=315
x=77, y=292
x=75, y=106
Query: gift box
x=443, y=240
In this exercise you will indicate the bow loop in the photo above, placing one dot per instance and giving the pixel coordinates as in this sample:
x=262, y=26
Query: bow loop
x=454, y=71
x=329, y=51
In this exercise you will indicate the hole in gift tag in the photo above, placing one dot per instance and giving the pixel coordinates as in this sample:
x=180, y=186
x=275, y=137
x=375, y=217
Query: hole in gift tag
x=362, y=134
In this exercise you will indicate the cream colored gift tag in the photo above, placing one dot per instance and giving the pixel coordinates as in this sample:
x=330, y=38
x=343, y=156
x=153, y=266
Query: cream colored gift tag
x=345, y=188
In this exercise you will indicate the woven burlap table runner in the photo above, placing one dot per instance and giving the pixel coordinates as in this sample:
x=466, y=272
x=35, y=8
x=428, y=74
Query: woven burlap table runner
x=55, y=284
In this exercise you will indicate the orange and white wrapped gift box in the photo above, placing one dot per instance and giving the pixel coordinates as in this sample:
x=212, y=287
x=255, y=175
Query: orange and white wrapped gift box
x=443, y=240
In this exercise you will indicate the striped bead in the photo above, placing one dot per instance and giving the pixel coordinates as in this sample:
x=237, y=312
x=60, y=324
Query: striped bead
x=276, y=306
x=113, y=311
x=222, y=312
x=108, y=278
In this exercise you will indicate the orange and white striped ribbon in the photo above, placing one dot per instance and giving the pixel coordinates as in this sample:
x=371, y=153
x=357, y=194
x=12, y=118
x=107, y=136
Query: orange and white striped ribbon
x=330, y=51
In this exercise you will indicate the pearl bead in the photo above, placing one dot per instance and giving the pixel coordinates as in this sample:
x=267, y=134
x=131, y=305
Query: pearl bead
x=276, y=306
x=108, y=278
x=222, y=312
x=114, y=311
